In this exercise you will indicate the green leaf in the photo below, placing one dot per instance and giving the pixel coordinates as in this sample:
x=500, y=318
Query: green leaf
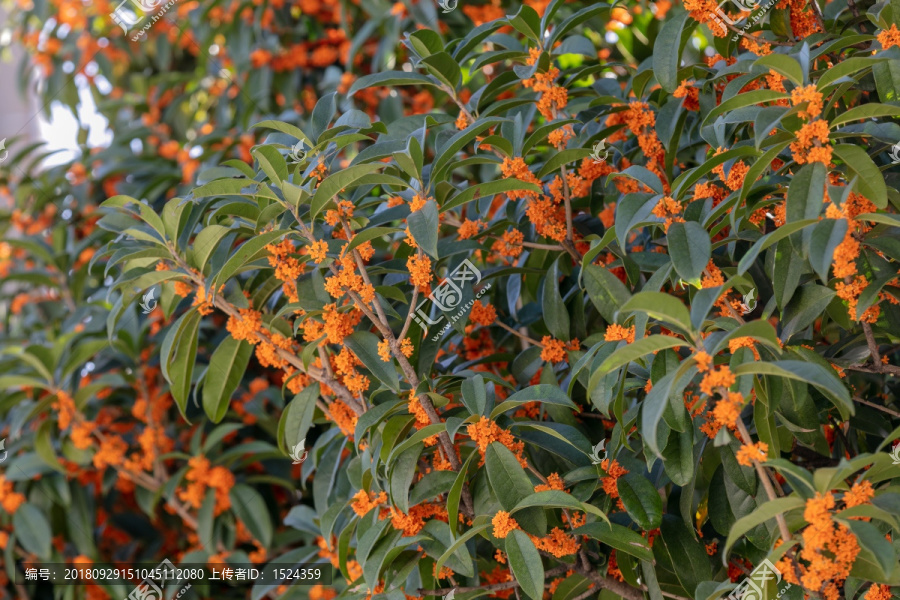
x=662, y=307
x=762, y=514
x=491, y=188
x=691, y=560
x=556, y=317
x=826, y=236
x=248, y=251
x=297, y=417
x=864, y=112
x=226, y=369
x=869, y=180
x=32, y=530
x=525, y=563
x=511, y=485
x=783, y=64
x=389, y=79
x=564, y=157
x=827, y=382
x=618, y=537
x=291, y=130
x=667, y=51
x=369, y=234
x=272, y=163
x=641, y=500
x=206, y=243
x=805, y=198
x=546, y=393
x=248, y=505
x=444, y=67
x=341, y=180
x=767, y=240
x=364, y=345
x=445, y=154
x=527, y=22
x=742, y=100
x=508, y=479
x=690, y=249
x=635, y=350
x=424, y=224
x=181, y=360
x=605, y=290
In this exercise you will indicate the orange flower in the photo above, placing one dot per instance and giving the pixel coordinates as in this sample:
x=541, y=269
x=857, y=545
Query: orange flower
x=888, y=39
x=10, y=500
x=419, y=270
x=554, y=482
x=516, y=168
x=510, y=245
x=704, y=361
x=364, y=501
x=742, y=342
x=860, y=493
x=807, y=94
x=721, y=377
x=748, y=453
x=728, y=410
x=468, y=229
x=483, y=314
x=879, y=591
x=485, y=432
x=503, y=524
x=669, y=209
x=556, y=543
x=317, y=250
x=554, y=351
x=617, y=332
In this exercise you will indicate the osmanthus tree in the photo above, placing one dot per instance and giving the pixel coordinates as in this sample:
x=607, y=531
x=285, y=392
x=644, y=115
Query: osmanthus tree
x=669, y=357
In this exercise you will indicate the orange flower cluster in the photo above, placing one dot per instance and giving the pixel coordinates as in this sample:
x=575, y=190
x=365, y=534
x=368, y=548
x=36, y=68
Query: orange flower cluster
x=111, y=452
x=200, y=477
x=469, y=229
x=553, y=351
x=344, y=210
x=850, y=293
x=418, y=202
x=742, y=342
x=348, y=280
x=559, y=137
x=641, y=121
x=483, y=314
x=516, y=168
x=728, y=410
x=811, y=95
x=668, y=209
x=610, y=483
x=829, y=550
x=364, y=501
x=736, y=174
x=704, y=361
x=703, y=11
x=721, y=377
x=615, y=333
x=889, y=37
x=413, y=522
x=553, y=97
x=554, y=482
x=65, y=408
x=812, y=143
x=339, y=325
x=384, y=349
x=503, y=524
x=343, y=416
x=419, y=270
x=245, y=325
x=485, y=431
x=748, y=453
x=317, y=251
x=510, y=244
x=690, y=94
x=548, y=216
x=10, y=500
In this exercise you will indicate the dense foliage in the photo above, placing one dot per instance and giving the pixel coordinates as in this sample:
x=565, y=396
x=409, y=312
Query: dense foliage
x=666, y=243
